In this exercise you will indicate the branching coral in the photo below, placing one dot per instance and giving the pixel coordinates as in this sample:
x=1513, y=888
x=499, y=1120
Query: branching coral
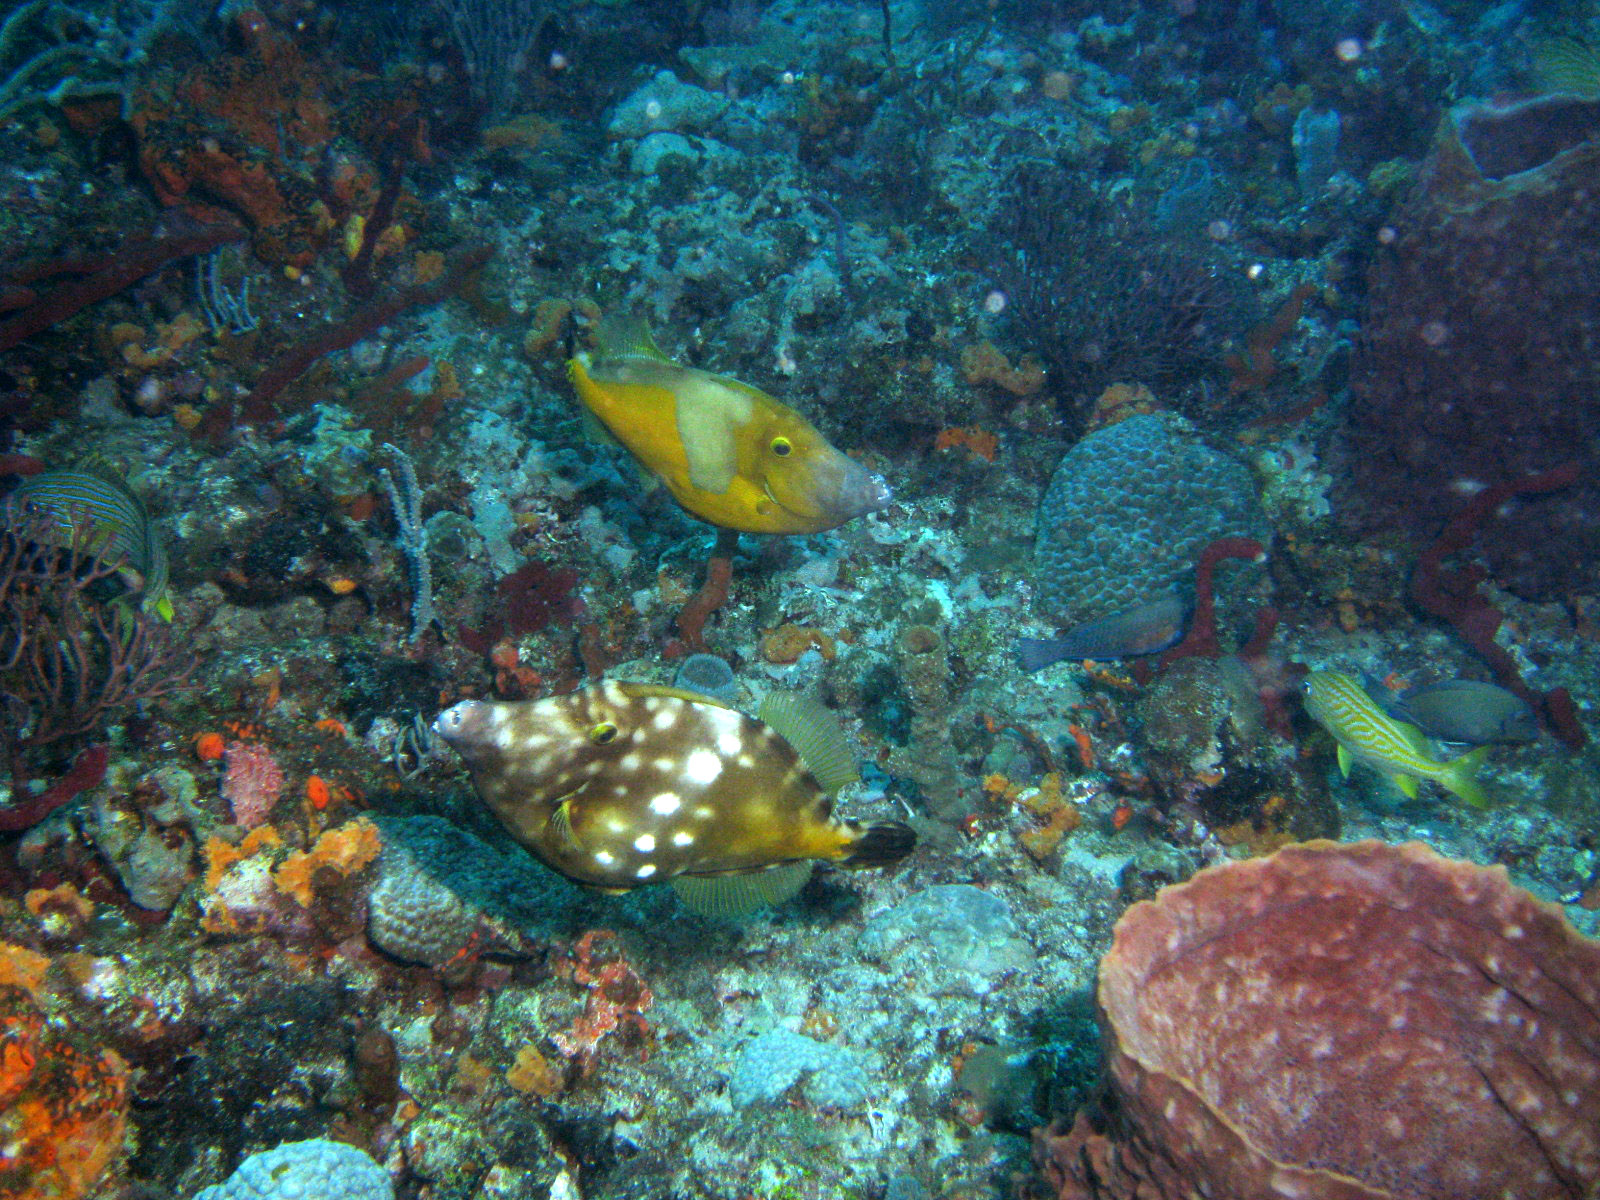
x=69, y=660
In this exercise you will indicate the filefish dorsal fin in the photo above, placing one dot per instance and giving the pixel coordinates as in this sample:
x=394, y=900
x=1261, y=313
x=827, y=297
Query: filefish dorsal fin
x=671, y=693
x=816, y=735
x=623, y=335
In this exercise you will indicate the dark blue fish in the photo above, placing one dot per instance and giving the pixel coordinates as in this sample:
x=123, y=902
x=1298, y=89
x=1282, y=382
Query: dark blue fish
x=1467, y=711
x=1147, y=628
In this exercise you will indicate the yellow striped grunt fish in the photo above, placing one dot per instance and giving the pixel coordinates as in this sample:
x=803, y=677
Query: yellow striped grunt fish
x=1367, y=734
x=626, y=784
x=728, y=452
x=93, y=507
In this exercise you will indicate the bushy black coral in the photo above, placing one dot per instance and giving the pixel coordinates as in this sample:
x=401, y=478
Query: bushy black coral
x=1100, y=292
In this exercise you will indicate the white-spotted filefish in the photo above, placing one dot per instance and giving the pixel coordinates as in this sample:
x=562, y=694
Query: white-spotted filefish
x=94, y=509
x=621, y=785
x=1399, y=751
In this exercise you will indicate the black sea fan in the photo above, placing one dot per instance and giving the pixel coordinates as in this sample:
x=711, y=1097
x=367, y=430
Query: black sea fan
x=1099, y=292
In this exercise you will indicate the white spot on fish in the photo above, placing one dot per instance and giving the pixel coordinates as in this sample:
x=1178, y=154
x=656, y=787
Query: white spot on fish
x=664, y=763
x=666, y=803
x=729, y=742
x=664, y=719
x=644, y=843
x=702, y=767
x=682, y=838
x=631, y=761
x=604, y=857
x=645, y=871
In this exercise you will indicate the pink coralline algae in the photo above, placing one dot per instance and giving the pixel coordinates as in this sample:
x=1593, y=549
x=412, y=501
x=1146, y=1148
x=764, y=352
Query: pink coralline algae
x=1344, y=1022
x=252, y=781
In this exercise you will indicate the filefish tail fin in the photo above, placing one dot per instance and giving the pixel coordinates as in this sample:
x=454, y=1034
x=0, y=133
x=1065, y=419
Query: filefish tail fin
x=728, y=897
x=879, y=845
x=1459, y=777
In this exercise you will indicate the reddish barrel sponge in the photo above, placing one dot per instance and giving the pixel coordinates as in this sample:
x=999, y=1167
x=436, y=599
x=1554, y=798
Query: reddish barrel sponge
x=1477, y=363
x=1343, y=1021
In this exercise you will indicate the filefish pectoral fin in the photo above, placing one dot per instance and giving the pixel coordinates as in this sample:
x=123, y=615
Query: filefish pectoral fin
x=1345, y=761
x=561, y=826
x=727, y=897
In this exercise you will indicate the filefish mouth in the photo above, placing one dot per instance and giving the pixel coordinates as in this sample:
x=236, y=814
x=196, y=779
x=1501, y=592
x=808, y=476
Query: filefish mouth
x=877, y=494
x=859, y=492
x=458, y=722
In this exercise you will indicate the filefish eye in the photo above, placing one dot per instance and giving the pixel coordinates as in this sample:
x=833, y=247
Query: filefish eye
x=602, y=733
x=781, y=446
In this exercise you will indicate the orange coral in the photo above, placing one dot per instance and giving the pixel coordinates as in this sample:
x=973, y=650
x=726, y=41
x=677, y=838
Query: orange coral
x=60, y=910
x=1060, y=816
x=534, y=1074
x=343, y=850
x=999, y=789
x=788, y=642
x=549, y=323
x=21, y=967
x=63, y=1106
x=984, y=363
x=317, y=793
x=979, y=442
x=1120, y=401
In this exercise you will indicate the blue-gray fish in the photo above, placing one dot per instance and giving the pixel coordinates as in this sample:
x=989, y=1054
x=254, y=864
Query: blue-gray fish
x=95, y=510
x=1468, y=711
x=625, y=784
x=1144, y=629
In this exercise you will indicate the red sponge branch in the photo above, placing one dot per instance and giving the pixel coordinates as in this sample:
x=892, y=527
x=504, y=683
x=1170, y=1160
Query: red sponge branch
x=102, y=276
x=1451, y=594
x=1201, y=638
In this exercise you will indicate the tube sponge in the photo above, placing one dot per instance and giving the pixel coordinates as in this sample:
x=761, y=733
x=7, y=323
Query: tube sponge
x=922, y=660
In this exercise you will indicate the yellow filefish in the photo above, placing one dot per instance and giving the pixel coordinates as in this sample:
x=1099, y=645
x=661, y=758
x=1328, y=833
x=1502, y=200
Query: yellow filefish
x=1367, y=734
x=626, y=784
x=728, y=452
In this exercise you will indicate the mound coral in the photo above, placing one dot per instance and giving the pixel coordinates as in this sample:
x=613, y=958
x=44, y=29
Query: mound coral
x=1128, y=512
x=1344, y=1021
